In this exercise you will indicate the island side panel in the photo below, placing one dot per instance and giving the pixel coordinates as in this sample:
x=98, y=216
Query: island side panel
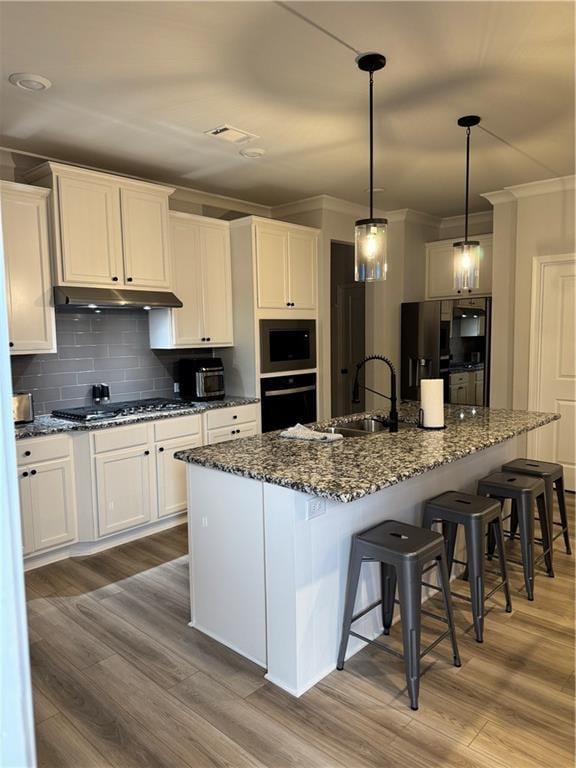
x=226, y=547
x=307, y=563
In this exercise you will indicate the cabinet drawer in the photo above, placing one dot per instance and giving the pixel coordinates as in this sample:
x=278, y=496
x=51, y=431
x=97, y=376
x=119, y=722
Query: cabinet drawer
x=230, y=433
x=117, y=438
x=225, y=417
x=42, y=449
x=459, y=378
x=187, y=425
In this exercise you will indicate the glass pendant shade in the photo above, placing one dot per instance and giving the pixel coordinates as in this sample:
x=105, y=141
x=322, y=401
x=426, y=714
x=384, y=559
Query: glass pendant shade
x=370, y=254
x=466, y=265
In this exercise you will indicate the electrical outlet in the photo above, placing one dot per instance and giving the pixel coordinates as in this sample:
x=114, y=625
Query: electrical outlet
x=204, y=521
x=315, y=508
x=176, y=388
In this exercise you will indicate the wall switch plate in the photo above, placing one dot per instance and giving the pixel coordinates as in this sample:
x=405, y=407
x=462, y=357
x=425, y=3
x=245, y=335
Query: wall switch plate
x=315, y=508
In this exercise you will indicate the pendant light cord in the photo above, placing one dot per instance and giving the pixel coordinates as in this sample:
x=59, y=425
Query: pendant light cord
x=371, y=144
x=467, y=183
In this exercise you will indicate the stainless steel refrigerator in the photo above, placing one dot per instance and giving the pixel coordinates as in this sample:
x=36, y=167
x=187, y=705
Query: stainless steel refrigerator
x=448, y=339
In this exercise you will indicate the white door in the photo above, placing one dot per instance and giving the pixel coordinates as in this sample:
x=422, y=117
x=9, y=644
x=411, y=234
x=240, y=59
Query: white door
x=124, y=489
x=53, y=505
x=27, y=262
x=272, y=267
x=553, y=361
x=216, y=284
x=145, y=238
x=187, y=264
x=172, y=496
x=26, y=511
x=302, y=270
x=90, y=233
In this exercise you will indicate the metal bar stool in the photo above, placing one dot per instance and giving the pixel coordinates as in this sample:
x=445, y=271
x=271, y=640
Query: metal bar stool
x=402, y=551
x=523, y=491
x=478, y=515
x=553, y=476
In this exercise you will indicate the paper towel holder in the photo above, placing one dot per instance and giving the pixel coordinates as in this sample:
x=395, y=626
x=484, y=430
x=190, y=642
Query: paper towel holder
x=421, y=422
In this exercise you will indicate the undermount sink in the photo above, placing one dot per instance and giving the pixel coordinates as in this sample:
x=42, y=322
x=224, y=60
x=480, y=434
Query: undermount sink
x=359, y=427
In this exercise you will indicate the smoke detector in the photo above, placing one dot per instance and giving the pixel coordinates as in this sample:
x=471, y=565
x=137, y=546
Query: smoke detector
x=253, y=153
x=231, y=134
x=29, y=82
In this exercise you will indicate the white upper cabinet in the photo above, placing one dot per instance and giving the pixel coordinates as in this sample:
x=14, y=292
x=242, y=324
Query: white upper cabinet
x=145, y=238
x=108, y=231
x=27, y=264
x=286, y=266
x=440, y=268
x=201, y=269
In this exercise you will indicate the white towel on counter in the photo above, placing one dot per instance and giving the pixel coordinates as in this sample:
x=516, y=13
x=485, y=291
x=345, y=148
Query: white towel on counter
x=300, y=432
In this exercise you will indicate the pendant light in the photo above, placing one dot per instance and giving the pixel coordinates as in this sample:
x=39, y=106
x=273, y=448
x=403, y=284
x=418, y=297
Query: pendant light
x=370, y=255
x=467, y=252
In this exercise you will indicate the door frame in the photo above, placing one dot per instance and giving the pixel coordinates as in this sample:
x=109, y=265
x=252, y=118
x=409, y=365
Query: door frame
x=539, y=265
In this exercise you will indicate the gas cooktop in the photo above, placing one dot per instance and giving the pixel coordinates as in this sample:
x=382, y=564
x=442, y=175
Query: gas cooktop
x=114, y=410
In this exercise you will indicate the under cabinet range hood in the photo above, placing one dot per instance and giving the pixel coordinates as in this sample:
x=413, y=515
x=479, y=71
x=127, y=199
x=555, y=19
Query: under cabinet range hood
x=70, y=297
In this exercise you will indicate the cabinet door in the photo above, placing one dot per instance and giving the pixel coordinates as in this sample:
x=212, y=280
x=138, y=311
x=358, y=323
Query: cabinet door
x=272, y=267
x=216, y=285
x=172, y=496
x=53, y=503
x=145, y=238
x=440, y=266
x=26, y=513
x=28, y=283
x=302, y=270
x=124, y=489
x=90, y=233
x=485, y=279
x=479, y=392
x=188, y=321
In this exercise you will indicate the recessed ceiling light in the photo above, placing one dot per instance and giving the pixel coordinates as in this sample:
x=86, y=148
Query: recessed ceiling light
x=254, y=153
x=30, y=82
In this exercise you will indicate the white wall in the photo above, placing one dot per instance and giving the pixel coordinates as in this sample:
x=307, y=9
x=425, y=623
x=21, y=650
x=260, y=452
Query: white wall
x=530, y=220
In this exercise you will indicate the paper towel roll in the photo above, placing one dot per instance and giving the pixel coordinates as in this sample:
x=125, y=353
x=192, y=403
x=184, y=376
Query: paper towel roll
x=432, y=403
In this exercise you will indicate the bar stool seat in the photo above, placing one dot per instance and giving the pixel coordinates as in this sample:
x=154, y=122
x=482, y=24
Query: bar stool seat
x=402, y=551
x=553, y=476
x=477, y=515
x=523, y=491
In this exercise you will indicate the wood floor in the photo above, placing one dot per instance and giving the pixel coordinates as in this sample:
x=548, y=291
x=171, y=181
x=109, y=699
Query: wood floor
x=121, y=680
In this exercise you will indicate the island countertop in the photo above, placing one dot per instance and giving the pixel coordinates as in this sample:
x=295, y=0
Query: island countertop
x=358, y=466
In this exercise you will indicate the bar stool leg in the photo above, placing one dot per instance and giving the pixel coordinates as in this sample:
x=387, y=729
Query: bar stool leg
x=449, y=531
x=410, y=593
x=499, y=535
x=351, y=589
x=475, y=534
x=563, y=516
x=388, y=585
x=513, y=522
x=543, y=516
x=445, y=586
x=526, y=522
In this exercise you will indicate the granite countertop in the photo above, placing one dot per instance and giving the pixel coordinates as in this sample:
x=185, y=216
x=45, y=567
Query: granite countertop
x=358, y=466
x=50, y=425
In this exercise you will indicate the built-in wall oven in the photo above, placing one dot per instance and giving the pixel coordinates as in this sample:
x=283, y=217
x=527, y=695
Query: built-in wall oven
x=287, y=345
x=288, y=400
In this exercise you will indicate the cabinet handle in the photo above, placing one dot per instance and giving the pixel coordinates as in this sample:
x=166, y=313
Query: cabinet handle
x=208, y=338
x=24, y=474
x=11, y=344
x=160, y=450
x=128, y=279
x=287, y=303
x=33, y=472
x=235, y=416
x=146, y=453
x=114, y=279
x=203, y=338
x=27, y=453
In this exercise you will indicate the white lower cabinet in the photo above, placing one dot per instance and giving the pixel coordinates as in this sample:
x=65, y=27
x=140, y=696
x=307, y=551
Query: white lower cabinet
x=124, y=489
x=230, y=433
x=171, y=473
x=47, y=504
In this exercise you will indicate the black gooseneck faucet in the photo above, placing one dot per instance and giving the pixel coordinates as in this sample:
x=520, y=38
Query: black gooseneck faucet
x=393, y=415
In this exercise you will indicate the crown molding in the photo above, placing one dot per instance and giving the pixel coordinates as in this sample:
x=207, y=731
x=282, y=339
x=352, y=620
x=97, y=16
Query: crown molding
x=411, y=216
x=531, y=189
x=321, y=203
x=481, y=218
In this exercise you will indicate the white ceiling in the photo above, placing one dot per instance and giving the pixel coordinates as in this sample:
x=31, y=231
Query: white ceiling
x=136, y=84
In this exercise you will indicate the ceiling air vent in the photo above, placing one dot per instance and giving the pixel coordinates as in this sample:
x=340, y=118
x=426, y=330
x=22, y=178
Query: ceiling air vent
x=231, y=135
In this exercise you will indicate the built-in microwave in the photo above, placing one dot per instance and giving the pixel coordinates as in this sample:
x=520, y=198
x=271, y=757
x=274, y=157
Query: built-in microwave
x=287, y=345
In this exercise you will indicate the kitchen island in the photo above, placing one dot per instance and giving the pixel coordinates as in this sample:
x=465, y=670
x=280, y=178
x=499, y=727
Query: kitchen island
x=271, y=519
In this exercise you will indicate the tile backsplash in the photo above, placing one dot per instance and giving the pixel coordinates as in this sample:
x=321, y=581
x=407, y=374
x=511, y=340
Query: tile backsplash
x=112, y=347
